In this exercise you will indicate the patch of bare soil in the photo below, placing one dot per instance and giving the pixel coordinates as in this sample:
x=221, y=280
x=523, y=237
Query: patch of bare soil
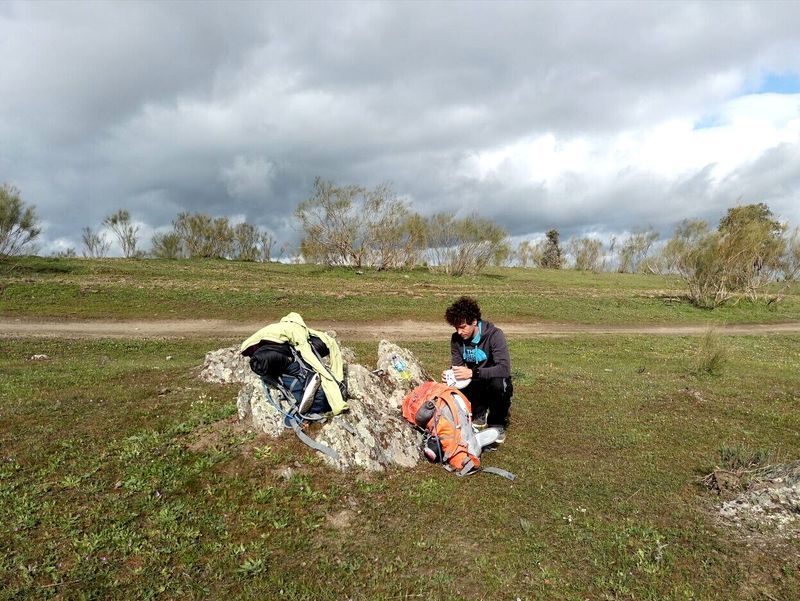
x=217, y=435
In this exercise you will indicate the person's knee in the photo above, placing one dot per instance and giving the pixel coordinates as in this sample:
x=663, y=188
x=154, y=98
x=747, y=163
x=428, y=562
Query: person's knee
x=499, y=387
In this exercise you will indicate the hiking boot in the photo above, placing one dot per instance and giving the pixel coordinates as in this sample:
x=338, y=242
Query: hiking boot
x=501, y=434
x=479, y=422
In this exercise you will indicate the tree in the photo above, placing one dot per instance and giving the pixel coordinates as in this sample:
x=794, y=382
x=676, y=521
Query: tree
x=635, y=249
x=461, y=246
x=522, y=253
x=396, y=236
x=19, y=226
x=687, y=233
x=357, y=226
x=552, y=257
x=203, y=236
x=791, y=269
x=746, y=252
x=750, y=232
x=333, y=224
x=246, y=238
x=266, y=242
x=587, y=253
x=127, y=233
x=95, y=245
x=167, y=246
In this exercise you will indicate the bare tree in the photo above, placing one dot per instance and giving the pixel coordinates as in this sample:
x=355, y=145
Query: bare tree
x=635, y=249
x=359, y=227
x=167, y=246
x=333, y=224
x=95, y=245
x=791, y=269
x=19, y=226
x=203, y=236
x=463, y=246
x=587, y=253
x=266, y=242
x=521, y=253
x=246, y=238
x=127, y=233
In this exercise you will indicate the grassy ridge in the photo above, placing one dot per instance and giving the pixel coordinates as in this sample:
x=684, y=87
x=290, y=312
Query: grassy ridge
x=117, y=480
x=127, y=289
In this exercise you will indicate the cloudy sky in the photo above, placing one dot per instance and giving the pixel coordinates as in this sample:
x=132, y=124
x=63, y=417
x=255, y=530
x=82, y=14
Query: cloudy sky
x=595, y=118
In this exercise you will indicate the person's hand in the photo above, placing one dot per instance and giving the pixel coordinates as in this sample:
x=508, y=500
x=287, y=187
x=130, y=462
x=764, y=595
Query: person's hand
x=462, y=372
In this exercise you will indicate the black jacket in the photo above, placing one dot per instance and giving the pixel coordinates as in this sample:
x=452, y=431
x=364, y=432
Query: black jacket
x=493, y=343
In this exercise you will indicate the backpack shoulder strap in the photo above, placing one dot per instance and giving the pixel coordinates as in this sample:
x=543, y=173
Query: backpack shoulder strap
x=499, y=472
x=292, y=419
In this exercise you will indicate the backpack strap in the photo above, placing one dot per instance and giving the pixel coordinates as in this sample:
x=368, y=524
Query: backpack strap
x=347, y=426
x=468, y=469
x=499, y=472
x=308, y=441
x=292, y=419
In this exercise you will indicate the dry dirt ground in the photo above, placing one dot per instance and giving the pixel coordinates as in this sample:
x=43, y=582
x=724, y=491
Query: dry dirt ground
x=400, y=330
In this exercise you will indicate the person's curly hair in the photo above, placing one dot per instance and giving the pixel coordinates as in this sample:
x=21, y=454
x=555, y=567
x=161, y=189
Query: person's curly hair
x=465, y=309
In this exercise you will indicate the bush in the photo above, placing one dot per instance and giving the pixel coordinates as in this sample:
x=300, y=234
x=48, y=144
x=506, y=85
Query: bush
x=127, y=233
x=359, y=227
x=167, y=246
x=635, y=250
x=711, y=355
x=95, y=244
x=461, y=246
x=587, y=253
x=19, y=226
x=203, y=236
x=744, y=254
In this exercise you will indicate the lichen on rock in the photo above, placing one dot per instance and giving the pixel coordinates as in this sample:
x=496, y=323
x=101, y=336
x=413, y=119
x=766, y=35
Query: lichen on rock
x=381, y=437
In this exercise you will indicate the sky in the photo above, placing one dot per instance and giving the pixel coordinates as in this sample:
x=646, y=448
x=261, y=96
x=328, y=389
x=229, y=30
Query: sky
x=594, y=118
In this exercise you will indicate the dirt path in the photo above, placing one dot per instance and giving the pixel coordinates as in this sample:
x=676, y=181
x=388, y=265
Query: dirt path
x=401, y=330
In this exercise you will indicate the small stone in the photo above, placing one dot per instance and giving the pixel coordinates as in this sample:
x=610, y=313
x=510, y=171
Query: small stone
x=38, y=358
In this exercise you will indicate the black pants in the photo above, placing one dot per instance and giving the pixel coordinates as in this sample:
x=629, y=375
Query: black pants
x=492, y=395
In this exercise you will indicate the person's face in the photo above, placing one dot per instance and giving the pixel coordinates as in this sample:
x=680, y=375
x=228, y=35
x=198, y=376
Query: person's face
x=467, y=330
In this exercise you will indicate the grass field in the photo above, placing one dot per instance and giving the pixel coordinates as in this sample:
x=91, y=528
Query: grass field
x=123, y=476
x=125, y=289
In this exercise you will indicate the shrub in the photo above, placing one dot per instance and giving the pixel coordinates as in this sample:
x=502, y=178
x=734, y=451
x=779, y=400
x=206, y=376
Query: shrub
x=711, y=355
x=19, y=226
x=95, y=244
x=744, y=254
x=552, y=255
x=635, y=250
x=359, y=227
x=461, y=246
x=127, y=233
x=167, y=246
x=203, y=236
x=587, y=253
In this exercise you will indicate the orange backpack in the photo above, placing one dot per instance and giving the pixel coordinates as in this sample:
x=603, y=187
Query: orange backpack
x=447, y=423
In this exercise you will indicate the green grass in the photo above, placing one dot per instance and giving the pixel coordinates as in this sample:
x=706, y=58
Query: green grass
x=124, y=289
x=118, y=481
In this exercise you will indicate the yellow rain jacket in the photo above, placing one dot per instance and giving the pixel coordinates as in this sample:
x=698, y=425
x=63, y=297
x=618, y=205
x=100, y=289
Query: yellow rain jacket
x=293, y=329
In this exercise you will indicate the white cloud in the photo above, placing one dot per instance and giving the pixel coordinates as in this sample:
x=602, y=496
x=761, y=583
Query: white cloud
x=583, y=116
x=249, y=178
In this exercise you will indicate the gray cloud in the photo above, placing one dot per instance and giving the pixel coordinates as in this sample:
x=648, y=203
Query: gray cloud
x=234, y=108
